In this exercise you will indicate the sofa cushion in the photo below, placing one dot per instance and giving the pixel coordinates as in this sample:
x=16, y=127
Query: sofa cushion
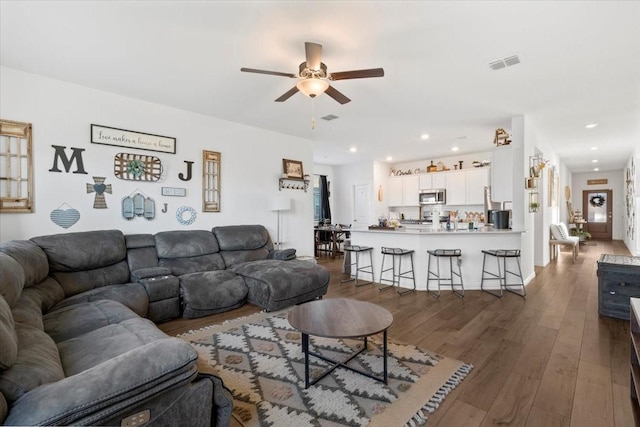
x=8, y=337
x=211, y=292
x=243, y=243
x=78, y=319
x=81, y=281
x=85, y=250
x=132, y=295
x=186, y=243
x=242, y=237
x=100, y=345
x=126, y=381
x=141, y=252
x=189, y=251
x=275, y=284
x=37, y=363
x=32, y=259
x=11, y=279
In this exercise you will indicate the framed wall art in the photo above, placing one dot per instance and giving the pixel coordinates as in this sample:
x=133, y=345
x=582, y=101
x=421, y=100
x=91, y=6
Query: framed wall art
x=137, y=167
x=106, y=135
x=292, y=169
x=210, y=181
x=16, y=167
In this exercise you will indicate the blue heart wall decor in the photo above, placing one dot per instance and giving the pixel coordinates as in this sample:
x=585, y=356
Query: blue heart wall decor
x=65, y=218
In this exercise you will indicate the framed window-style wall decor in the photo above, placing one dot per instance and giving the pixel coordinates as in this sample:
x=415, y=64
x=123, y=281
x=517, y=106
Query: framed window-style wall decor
x=16, y=167
x=210, y=181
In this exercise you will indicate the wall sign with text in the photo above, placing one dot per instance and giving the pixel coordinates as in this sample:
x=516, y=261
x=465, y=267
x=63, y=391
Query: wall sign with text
x=126, y=138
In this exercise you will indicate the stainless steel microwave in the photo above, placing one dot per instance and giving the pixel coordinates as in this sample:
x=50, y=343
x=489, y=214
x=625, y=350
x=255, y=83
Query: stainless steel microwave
x=435, y=196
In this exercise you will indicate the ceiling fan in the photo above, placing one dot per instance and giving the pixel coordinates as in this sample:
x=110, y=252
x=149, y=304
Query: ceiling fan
x=313, y=74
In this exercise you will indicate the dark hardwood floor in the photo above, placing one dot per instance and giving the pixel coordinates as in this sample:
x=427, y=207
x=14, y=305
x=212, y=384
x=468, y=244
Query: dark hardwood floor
x=547, y=360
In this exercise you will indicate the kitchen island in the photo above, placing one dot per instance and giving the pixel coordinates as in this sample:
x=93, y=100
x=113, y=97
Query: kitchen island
x=424, y=238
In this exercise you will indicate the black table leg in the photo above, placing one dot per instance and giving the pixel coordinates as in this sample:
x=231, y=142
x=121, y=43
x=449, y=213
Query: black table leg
x=305, y=350
x=384, y=354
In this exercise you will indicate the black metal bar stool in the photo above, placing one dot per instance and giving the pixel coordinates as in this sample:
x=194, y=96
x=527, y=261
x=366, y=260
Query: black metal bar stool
x=502, y=276
x=431, y=275
x=396, y=275
x=356, y=249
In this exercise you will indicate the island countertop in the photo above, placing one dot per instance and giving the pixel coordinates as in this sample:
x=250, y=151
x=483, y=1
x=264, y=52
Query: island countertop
x=429, y=230
x=423, y=238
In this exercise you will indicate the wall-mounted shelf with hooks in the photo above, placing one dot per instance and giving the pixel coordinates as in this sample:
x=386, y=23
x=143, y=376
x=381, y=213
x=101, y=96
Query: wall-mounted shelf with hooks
x=293, y=184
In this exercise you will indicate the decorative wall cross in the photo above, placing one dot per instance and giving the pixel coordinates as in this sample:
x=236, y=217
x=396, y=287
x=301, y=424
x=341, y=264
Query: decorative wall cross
x=99, y=202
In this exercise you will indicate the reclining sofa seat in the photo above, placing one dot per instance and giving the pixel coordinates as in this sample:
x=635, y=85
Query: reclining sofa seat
x=206, y=287
x=72, y=354
x=222, y=269
x=273, y=282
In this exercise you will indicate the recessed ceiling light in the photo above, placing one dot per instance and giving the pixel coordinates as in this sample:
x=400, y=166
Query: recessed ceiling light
x=424, y=136
x=594, y=148
x=389, y=158
x=353, y=149
x=591, y=125
x=594, y=161
x=596, y=169
x=455, y=149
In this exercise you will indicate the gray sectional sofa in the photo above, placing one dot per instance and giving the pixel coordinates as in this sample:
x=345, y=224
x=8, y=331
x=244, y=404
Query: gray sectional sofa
x=77, y=311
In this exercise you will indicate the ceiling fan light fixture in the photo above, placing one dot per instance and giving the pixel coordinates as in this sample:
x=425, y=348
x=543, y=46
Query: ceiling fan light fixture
x=312, y=87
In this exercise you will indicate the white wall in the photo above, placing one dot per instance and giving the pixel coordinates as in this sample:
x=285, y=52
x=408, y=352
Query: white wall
x=348, y=176
x=615, y=184
x=61, y=114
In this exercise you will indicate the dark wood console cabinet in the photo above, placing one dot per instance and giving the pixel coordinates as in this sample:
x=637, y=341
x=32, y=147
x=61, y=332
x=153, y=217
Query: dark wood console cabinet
x=618, y=281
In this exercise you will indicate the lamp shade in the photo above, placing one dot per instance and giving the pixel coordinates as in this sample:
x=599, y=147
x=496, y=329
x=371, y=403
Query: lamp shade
x=279, y=203
x=312, y=87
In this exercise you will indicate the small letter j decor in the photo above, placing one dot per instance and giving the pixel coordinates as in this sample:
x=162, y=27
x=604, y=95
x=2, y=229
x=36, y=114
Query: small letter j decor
x=189, y=167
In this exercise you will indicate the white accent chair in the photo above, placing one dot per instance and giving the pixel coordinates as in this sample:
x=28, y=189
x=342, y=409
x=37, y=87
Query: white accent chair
x=560, y=236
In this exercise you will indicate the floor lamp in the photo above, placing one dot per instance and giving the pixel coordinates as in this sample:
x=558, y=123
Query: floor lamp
x=279, y=203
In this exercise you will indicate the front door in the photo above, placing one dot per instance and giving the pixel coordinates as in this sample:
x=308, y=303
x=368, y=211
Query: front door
x=596, y=208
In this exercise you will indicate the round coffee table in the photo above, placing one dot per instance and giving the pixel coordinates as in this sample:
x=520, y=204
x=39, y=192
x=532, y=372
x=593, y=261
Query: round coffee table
x=340, y=318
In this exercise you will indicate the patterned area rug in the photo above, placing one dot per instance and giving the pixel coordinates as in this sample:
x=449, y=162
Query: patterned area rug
x=260, y=360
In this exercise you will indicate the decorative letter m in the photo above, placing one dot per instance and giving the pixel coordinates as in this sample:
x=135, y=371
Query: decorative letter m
x=66, y=162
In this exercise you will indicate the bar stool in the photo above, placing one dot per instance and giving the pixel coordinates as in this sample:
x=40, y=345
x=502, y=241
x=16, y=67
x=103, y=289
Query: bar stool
x=503, y=254
x=396, y=275
x=365, y=269
x=431, y=275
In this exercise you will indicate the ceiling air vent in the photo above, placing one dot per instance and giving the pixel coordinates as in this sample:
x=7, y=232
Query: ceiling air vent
x=329, y=117
x=506, y=62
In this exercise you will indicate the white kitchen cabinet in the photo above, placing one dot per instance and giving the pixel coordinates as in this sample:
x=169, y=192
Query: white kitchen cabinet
x=456, y=186
x=410, y=190
x=476, y=180
x=395, y=191
x=403, y=190
x=432, y=180
x=439, y=180
x=425, y=181
x=502, y=174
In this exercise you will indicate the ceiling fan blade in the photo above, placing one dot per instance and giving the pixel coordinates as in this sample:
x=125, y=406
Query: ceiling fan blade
x=313, y=52
x=288, y=94
x=273, y=73
x=337, y=95
x=357, y=74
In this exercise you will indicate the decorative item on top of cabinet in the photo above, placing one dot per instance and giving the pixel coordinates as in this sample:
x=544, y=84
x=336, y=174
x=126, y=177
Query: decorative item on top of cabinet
x=501, y=137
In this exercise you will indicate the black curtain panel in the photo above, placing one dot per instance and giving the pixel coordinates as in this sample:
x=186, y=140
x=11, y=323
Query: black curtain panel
x=325, y=209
